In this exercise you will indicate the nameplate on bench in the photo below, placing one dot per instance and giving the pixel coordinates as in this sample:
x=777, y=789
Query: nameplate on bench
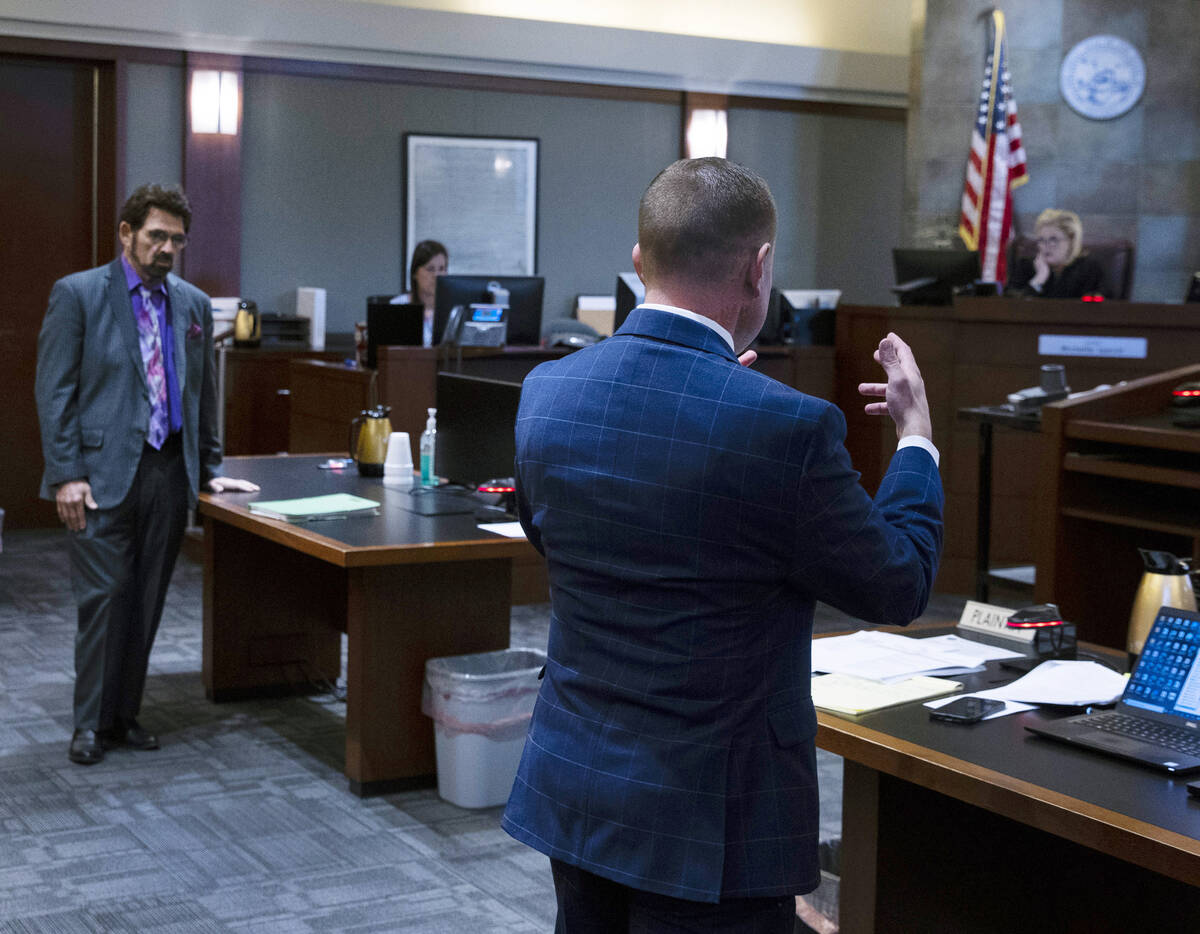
x=992, y=620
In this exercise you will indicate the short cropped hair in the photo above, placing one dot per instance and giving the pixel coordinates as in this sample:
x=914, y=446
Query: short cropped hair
x=423, y=252
x=1066, y=221
x=699, y=214
x=169, y=198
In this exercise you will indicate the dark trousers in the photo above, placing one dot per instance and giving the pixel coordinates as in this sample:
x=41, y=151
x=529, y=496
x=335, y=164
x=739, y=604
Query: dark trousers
x=590, y=904
x=121, y=565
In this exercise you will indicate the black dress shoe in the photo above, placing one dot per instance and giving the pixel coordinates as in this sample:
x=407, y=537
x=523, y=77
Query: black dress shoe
x=86, y=747
x=130, y=733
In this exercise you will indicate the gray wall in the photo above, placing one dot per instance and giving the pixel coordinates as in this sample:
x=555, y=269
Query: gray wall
x=1135, y=177
x=322, y=177
x=838, y=184
x=154, y=126
x=322, y=184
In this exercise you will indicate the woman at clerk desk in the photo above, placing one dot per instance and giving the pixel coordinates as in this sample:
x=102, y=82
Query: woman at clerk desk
x=429, y=260
x=1061, y=269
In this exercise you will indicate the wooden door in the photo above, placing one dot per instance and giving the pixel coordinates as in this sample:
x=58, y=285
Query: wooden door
x=57, y=185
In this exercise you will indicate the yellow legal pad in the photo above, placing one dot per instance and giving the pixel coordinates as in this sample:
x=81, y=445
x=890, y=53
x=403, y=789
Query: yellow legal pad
x=842, y=693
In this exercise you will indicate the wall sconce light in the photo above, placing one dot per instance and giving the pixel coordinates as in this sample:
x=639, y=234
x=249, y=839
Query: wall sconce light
x=215, y=101
x=707, y=133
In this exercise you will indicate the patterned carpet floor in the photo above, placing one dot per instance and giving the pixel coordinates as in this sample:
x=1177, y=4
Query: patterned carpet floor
x=242, y=821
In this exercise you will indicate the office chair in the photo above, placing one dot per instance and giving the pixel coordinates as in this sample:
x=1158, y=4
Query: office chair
x=1114, y=256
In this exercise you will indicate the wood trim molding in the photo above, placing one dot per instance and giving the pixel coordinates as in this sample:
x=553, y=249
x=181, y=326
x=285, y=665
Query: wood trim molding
x=90, y=51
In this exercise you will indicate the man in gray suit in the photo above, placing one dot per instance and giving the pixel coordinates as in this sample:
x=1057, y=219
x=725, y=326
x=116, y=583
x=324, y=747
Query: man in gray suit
x=126, y=398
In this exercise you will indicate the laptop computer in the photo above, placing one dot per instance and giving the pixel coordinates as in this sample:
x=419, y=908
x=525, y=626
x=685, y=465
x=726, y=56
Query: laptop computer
x=1157, y=720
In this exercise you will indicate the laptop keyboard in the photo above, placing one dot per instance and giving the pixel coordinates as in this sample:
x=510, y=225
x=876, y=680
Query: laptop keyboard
x=1175, y=738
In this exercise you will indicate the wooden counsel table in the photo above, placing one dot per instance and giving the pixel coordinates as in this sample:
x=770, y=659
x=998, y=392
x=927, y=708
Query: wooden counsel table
x=985, y=827
x=403, y=587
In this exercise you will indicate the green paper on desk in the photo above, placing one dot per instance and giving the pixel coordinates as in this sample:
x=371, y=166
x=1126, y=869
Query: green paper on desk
x=331, y=506
x=849, y=694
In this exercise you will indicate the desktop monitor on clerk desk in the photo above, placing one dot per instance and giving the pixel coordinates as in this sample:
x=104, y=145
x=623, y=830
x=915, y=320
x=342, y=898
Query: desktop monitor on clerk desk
x=523, y=315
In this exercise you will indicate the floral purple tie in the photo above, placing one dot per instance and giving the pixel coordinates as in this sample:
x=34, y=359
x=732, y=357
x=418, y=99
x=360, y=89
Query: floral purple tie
x=150, y=340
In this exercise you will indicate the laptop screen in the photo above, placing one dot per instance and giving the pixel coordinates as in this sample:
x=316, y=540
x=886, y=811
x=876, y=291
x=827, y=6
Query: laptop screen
x=1167, y=677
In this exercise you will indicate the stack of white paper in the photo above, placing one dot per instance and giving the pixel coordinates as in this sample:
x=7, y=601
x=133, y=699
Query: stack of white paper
x=1066, y=683
x=886, y=656
x=1069, y=683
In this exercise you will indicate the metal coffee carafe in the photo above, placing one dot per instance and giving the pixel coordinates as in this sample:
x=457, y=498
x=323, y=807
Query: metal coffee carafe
x=368, y=446
x=1166, y=582
x=247, y=325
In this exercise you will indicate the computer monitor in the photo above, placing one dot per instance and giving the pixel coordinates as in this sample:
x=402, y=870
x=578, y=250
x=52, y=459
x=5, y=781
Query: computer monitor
x=524, y=303
x=630, y=293
x=476, y=422
x=929, y=277
x=392, y=324
x=806, y=316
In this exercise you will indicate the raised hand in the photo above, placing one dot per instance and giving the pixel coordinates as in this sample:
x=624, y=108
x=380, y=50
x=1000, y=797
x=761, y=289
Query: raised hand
x=904, y=392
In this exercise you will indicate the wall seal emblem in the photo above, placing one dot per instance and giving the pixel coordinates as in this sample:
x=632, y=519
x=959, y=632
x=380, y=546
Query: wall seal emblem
x=1102, y=77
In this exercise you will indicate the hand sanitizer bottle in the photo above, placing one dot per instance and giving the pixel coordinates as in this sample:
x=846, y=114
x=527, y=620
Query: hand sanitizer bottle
x=428, y=445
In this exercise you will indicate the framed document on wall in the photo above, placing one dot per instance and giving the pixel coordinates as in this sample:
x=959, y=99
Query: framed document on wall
x=478, y=196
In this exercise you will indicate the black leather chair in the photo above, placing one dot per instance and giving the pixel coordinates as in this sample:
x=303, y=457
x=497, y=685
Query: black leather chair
x=1114, y=256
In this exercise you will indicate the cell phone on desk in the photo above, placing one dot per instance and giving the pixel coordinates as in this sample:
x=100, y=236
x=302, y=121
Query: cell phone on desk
x=967, y=709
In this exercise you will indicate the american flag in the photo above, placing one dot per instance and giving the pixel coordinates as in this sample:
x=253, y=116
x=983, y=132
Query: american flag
x=996, y=164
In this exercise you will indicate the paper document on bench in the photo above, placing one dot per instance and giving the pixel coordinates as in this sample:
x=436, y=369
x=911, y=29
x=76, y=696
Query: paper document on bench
x=1068, y=683
x=507, y=529
x=1010, y=706
x=884, y=656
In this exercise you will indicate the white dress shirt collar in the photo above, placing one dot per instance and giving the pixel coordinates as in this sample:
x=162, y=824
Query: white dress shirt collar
x=683, y=312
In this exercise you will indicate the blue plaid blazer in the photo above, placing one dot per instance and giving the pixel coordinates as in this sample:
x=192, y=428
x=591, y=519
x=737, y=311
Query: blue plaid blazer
x=691, y=511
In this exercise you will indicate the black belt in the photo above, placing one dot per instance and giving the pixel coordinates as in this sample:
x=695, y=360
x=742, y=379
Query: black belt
x=172, y=445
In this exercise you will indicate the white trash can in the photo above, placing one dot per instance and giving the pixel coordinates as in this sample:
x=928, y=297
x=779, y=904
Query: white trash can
x=481, y=705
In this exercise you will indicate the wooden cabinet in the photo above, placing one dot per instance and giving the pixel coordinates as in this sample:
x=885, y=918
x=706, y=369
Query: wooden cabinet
x=257, y=403
x=325, y=397
x=1116, y=476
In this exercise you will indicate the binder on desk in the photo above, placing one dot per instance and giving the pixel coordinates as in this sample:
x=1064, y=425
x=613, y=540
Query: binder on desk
x=331, y=506
x=849, y=694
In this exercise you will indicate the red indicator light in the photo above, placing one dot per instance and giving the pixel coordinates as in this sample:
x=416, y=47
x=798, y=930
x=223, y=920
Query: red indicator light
x=1187, y=393
x=496, y=489
x=1039, y=624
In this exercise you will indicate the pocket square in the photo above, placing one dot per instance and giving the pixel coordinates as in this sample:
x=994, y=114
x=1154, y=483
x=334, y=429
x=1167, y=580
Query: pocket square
x=195, y=332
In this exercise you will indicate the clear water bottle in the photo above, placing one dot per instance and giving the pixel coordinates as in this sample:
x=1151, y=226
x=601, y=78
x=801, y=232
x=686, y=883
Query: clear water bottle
x=428, y=447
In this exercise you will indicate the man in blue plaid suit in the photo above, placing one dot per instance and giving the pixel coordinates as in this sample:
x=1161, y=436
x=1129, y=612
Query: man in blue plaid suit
x=691, y=511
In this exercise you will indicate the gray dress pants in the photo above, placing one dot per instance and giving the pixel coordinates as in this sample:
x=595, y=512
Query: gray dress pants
x=120, y=567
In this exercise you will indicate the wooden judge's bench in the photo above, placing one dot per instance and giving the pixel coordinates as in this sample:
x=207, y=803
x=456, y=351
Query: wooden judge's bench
x=975, y=353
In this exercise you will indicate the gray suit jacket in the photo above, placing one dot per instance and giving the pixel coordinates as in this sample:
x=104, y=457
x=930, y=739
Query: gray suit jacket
x=93, y=404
